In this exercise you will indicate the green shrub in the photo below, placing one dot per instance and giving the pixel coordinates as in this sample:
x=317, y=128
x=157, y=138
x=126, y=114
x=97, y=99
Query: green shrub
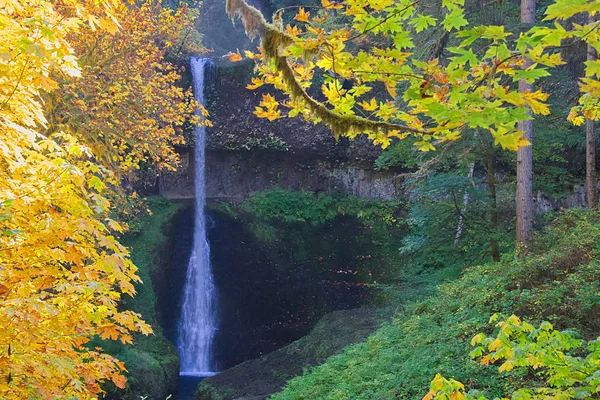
x=301, y=206
x=566, y=366
x=558, y=284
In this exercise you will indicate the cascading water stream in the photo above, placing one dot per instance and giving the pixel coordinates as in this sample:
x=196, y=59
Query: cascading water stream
x=198, y=322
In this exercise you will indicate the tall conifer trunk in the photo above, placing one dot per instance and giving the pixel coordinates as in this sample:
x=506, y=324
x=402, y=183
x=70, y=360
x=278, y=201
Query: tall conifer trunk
x=524, y=194
x=590, y=146
x=491, y=173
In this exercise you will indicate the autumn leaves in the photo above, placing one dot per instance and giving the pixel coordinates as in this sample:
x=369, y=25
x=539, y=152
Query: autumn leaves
x=86, y=96
x=373, y=44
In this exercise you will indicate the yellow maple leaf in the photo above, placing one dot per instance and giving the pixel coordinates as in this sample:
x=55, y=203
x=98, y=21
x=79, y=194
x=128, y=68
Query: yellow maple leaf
x=292, y=30
x=234, y=57
x=370, y=106
x=302, y=15
x=534, y=101
x=391, y=88
x=330, y=5
x=256, y=83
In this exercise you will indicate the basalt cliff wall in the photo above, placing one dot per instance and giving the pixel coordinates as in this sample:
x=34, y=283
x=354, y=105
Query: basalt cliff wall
x=247, y=154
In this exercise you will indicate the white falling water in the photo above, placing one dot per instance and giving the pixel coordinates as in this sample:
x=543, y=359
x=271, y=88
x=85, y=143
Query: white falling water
x=198, y=323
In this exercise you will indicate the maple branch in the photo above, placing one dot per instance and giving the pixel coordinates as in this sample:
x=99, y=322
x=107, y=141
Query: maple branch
x=389, y=74
x=330, y=47
x=597, y=25
x=383, y=21
x=272, y=42
x=18, y=83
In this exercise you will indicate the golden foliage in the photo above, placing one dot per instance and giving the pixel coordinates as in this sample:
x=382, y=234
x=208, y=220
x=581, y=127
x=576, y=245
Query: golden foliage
x=69, y=127
x=434, y=100
x=127, y=107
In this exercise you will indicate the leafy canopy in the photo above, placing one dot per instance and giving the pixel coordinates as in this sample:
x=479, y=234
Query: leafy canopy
x=396, y=93
x=80, y=104
x=570, y=365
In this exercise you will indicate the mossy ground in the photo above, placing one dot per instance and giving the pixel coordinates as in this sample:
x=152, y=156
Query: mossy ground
x=262, y=377
x=152, y=362
x=558, y=283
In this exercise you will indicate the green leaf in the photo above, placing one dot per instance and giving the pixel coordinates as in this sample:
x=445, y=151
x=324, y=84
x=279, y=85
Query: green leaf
x=96, y=183
x=466, y=56
x=422, y=22
x=455, y=20
x=403, y=40
x=530, y=74
x=592, y=68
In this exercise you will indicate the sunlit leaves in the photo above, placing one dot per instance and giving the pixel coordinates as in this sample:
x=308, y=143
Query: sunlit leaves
x=455, y=20
x=529, y=75
x=443, y=97
x=466, y=92
x=422, y=22
x=62, y=270
x=268, y=108
x=564, y=9
x=575, y=118
x=442, y=388
x=510, y=140
x=330, y=5
x=369, y=106
x=302, y=15
x=568, y=364
x=592, y=68
x=535, y=101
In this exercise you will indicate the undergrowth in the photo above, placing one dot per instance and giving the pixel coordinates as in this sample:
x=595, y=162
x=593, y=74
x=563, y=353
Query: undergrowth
x=558, y=283
x=302, y=206
x=152, y=360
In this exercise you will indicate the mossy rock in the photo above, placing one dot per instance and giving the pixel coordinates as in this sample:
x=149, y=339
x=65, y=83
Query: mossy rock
x=262, y=377
x=151, y=375
x=151, y=361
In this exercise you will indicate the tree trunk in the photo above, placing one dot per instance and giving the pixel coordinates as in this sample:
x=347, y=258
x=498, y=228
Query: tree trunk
x=491, y=173
x=524, y=194
x=590, y=146
x=461, y=221
x=590, y=165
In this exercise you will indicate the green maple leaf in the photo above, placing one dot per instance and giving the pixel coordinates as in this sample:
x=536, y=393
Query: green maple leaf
x=592, y=68
x=466, y=56
x=402, y=40
x=455, y=20
x=530, y=75
x=422, y=22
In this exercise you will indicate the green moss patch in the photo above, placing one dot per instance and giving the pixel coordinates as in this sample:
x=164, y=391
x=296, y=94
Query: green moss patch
x=267, y=375
x=152, y=362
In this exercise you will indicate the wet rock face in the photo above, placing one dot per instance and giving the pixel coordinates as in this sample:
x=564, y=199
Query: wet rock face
x=235, y=127
x=269, y=293
x=247, y=154
x=233, y=175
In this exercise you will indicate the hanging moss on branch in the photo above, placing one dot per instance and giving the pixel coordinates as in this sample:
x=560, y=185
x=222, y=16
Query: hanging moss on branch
x=273, y=42
x=441, y=99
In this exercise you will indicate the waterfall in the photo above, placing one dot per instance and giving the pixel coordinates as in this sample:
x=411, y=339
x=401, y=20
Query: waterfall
x=198, y=323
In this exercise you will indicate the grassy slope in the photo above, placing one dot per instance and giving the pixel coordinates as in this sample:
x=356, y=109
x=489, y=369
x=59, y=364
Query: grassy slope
x=151, y=361
x=267, y=375
x=559, y=283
